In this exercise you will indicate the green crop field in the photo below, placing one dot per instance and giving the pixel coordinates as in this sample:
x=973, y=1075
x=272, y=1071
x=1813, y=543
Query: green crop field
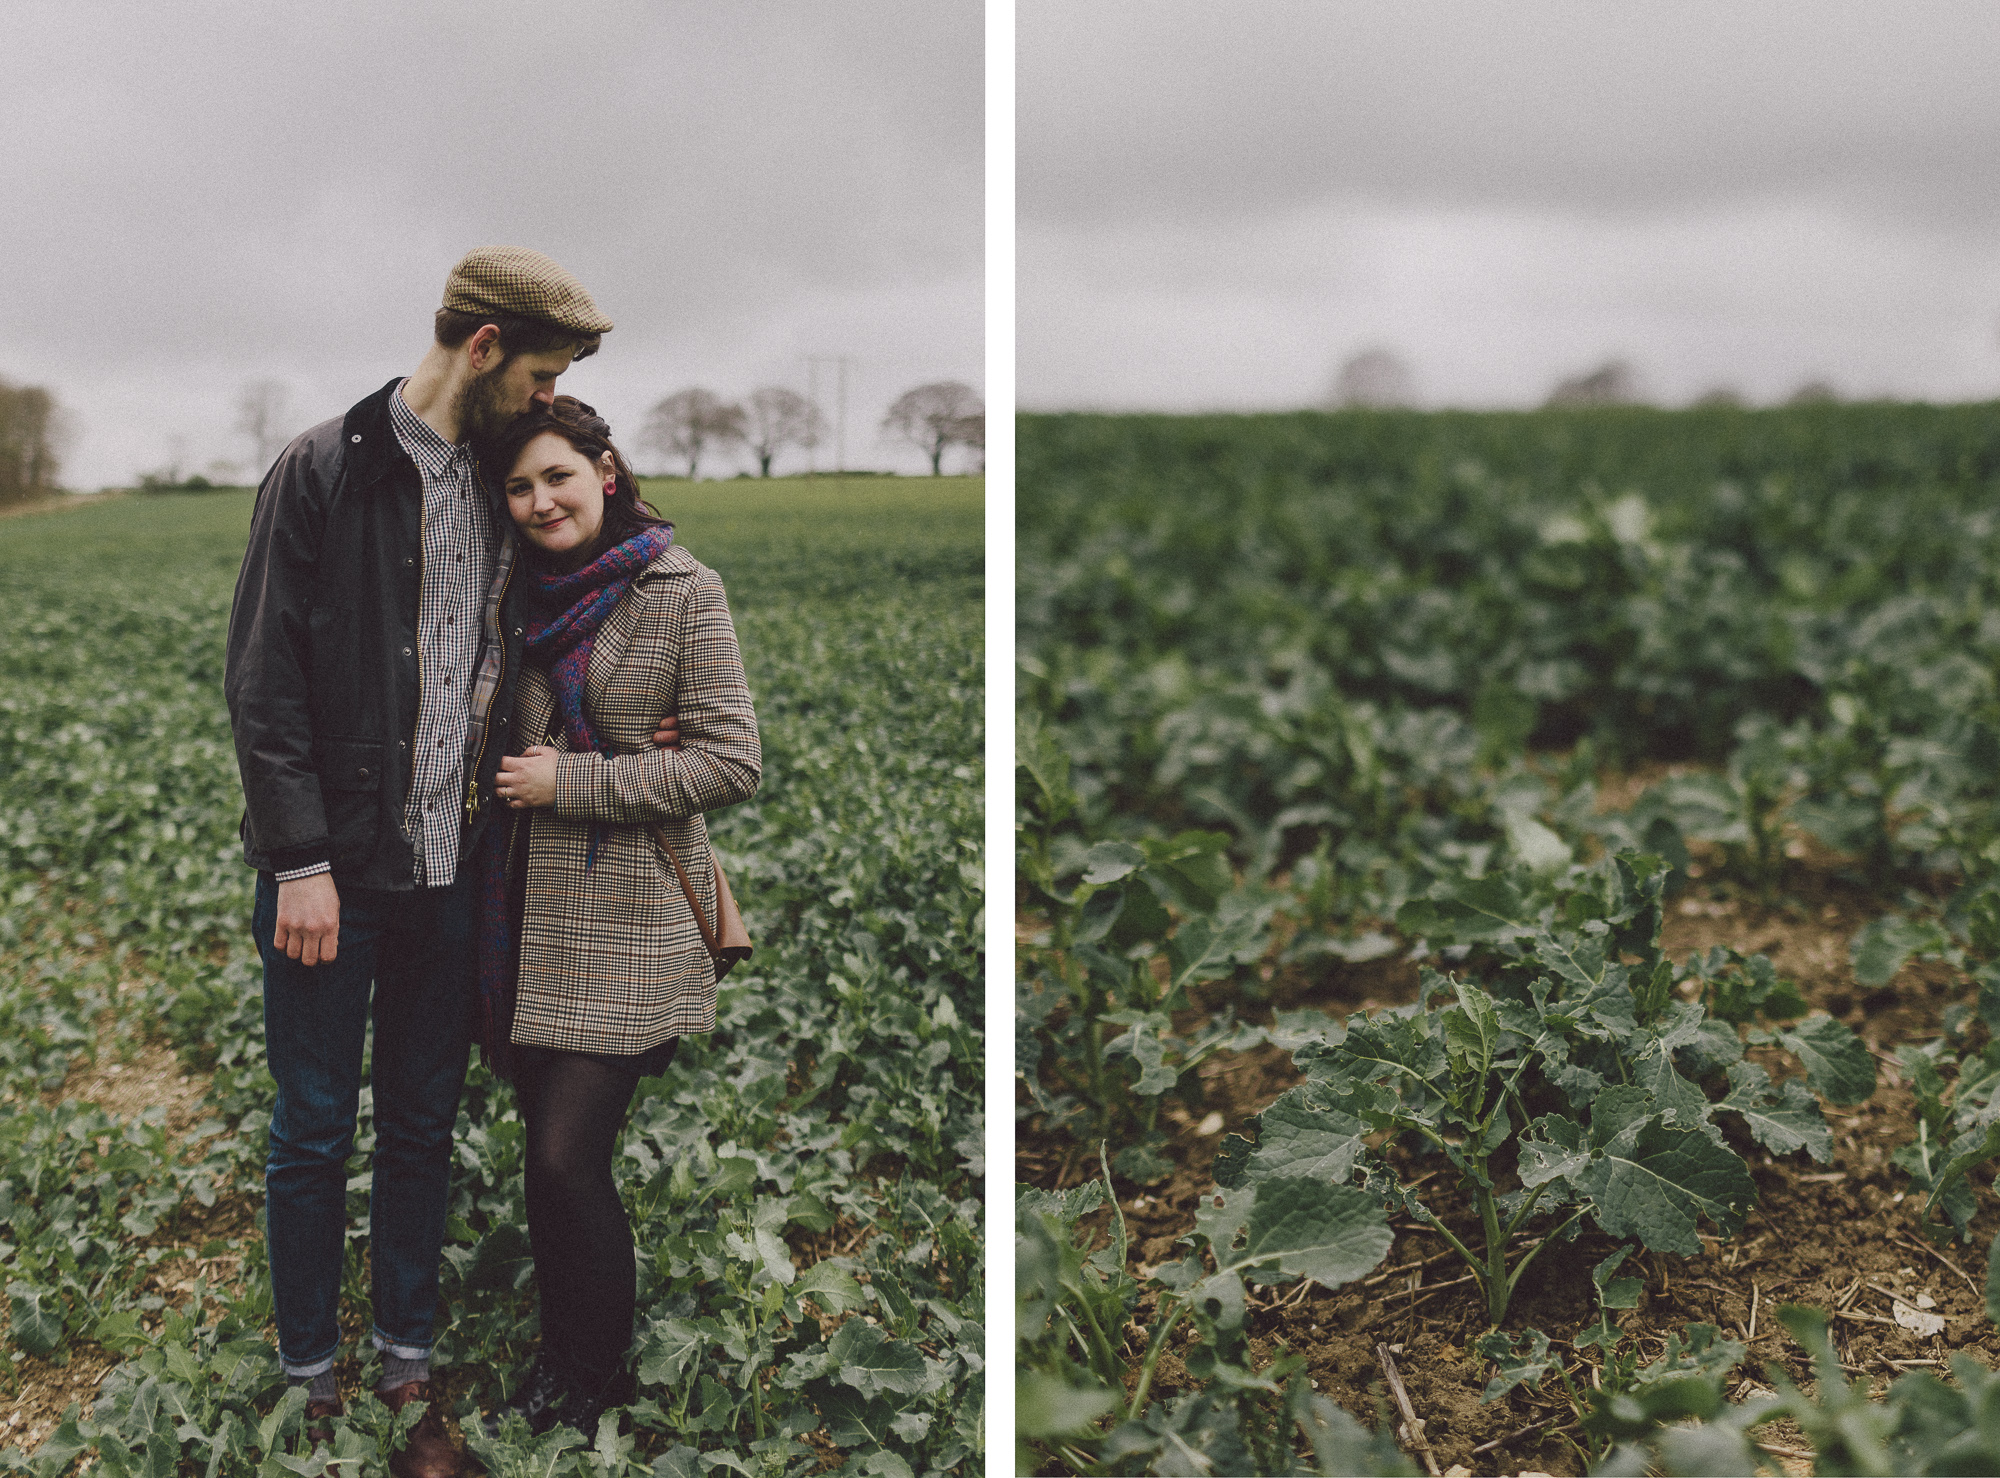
x=1510, y=906
x=804, y=1184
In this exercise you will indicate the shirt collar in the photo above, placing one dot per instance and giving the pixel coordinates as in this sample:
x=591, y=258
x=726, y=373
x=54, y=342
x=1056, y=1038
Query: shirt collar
x=431, y=452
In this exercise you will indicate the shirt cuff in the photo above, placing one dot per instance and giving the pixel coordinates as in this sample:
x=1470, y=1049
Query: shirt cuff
x=312, y=870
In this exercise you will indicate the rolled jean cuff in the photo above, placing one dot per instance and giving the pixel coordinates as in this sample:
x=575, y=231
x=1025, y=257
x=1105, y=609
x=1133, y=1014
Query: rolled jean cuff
x=389, y=1346
x=306, y=1370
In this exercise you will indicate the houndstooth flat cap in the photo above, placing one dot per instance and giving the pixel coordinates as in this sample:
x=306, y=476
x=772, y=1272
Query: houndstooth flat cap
x=525, y=284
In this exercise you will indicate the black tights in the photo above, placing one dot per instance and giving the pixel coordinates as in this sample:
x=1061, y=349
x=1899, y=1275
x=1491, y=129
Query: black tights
x=574, y=1105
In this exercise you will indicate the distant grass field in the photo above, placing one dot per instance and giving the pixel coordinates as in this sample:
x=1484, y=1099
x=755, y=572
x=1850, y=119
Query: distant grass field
x=815, y=1160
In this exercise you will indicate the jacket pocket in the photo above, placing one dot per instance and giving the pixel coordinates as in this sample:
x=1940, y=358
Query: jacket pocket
x=350, y=787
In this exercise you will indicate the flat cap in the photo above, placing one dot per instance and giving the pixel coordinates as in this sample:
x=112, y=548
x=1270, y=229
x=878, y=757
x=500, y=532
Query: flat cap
x=525, y=284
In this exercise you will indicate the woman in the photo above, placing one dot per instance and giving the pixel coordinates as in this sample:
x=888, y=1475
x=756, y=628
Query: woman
x=588, y=931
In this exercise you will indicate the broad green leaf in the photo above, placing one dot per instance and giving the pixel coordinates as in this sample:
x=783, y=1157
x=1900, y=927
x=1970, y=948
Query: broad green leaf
x=1838, y=1065
x=776, y=1255
x=1669, y=1093
x=1472, y=1028
x=1538, y=848
x=669, y=1349
x=1617, y=1109
x=872, y=1363
x=1208, y=948
x=1299, y=1136
x=1331, y=1234
x=38, y=1318
x=1552, y=1148
x=1107, y=862
x=1616, y=1293
x=1523, y=1360
x=1654, y=1180
x=1879, y=949
x=1220, y=1299
x=833, y=1289
x=1782, y=1120
x=1469, y=911
x=1046, y=1406
x=1972, y=1148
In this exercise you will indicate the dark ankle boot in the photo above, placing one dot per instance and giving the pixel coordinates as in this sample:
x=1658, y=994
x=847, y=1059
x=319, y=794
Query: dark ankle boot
x=536, y=1399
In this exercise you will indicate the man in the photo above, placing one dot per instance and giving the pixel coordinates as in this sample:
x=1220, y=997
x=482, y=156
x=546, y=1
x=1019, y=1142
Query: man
x=371, y=666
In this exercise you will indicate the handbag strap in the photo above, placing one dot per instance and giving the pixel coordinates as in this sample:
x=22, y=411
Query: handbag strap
x=708, y=936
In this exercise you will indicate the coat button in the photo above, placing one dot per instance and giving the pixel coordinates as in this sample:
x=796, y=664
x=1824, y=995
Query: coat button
x=355, y=437
x=362, y=773
x=517, y=631
x=503, y=720
x=408, y=562
x=406, y=651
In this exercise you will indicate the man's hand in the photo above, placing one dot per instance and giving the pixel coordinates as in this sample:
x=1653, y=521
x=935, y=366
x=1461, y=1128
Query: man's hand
x=668, y=735
x=527, y=781
x=309, y=919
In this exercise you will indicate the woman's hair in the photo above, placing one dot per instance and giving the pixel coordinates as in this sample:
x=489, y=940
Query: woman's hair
x=625, y=514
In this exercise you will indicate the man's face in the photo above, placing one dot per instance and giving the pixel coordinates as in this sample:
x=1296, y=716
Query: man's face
x=510, y=389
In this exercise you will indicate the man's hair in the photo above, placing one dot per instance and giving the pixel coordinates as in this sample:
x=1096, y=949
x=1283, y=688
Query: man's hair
x=452, y=328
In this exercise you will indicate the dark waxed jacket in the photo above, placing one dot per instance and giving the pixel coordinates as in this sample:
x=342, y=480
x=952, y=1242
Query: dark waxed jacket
x=322, y=676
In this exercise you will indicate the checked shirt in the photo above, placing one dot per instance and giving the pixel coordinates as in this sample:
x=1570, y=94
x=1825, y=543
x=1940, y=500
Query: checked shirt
x=464, y=570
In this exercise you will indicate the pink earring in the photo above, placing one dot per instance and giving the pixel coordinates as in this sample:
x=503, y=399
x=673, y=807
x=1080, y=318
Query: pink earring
x=611, y=487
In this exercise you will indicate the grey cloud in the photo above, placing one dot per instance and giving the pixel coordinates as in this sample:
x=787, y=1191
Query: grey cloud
x=210, y=192
x=1172, y=110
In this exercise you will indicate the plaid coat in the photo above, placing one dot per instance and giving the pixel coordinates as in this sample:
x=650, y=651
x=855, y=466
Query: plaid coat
x=611, y=959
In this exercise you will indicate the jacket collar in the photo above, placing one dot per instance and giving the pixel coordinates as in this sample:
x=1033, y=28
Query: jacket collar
x=368, y=435
x=369, y=439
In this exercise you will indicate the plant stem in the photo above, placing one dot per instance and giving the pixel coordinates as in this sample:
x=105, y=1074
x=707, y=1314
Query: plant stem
x=1478, y=1267
x=1521, y=1216
x=1154, y=1348
x=1529, y=1256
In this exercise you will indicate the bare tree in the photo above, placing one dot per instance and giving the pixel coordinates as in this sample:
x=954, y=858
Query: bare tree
x=1375, y=379
x=779, y=418
x=1611, y=383
x=689, y=422
x=935, y=416
x=264, y=415
x=31, y=430
x=970, y=433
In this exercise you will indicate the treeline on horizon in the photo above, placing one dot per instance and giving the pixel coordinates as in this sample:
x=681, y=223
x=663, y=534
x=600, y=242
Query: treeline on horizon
x=30, y=427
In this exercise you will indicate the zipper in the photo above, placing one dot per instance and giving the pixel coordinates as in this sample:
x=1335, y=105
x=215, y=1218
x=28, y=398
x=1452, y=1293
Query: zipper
x=486, y=733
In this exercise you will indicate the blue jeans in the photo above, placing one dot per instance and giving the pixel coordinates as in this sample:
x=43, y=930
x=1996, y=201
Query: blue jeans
x=416, y=949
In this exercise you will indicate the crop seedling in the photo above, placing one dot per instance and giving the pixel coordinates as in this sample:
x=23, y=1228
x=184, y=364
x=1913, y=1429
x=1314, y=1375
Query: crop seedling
x=1579, y=1064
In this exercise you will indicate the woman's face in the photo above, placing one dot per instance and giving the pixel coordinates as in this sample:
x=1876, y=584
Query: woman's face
x=556, y=495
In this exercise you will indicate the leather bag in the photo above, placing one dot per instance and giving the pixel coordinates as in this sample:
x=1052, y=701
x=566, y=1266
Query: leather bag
x=728, y=940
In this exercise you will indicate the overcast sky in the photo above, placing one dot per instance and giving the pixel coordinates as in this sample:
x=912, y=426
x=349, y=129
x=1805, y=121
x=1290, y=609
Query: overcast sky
x=1219, y=203
x=204, y=194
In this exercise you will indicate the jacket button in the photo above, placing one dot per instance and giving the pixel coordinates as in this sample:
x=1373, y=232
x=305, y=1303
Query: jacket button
x=362, y=773
x=408, y=562
x=517, y=631
x=406, y=651
x=355, y=437
x=503, y=720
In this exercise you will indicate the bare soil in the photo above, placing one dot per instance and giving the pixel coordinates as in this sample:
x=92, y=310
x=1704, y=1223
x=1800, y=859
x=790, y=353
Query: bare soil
x=1838, y=1237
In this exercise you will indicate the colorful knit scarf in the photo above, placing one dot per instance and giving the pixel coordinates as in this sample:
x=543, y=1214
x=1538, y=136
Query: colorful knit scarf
x=567, y=610
x=565, y=614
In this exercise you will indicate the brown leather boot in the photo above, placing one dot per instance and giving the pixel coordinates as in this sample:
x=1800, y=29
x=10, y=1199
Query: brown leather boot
x=319, y=1421
x=428, y=1453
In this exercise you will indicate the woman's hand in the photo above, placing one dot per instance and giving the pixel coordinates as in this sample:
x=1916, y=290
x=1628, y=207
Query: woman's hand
x=527, y=781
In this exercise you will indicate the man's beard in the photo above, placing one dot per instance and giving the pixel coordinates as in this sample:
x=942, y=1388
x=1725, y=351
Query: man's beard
x=481, y=417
